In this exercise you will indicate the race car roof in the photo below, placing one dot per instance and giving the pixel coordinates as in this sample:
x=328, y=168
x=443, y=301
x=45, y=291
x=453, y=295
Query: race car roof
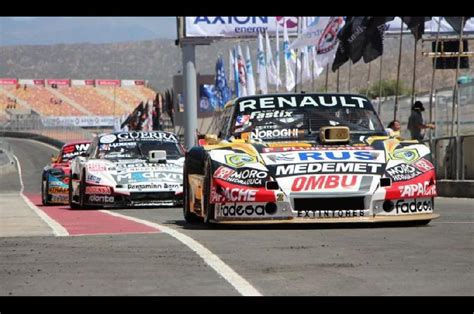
x=107, y=138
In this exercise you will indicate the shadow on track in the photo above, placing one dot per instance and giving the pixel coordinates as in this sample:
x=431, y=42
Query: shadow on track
x=297, y=226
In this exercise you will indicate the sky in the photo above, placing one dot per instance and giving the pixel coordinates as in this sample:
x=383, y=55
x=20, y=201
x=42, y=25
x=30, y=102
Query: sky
x=70, y=30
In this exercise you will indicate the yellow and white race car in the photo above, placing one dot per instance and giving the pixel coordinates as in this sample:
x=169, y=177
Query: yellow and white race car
x=322, y=158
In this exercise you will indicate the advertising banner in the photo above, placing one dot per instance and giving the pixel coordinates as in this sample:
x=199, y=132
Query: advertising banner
x=82, y=82
x=79, y=121
x=107, y=82
x=133, y=82
x=59, y=82
x=236, y=26
x=431, y=27
x=31, y=82
x=8, y=81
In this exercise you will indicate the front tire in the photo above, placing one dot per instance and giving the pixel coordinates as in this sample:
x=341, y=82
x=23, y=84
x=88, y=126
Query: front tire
x=82, y=191
x=44, y=192
x=189, y=216
x=72, y=205
x=209, y=209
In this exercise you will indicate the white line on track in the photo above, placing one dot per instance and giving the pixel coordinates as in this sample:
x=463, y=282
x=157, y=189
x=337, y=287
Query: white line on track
x=58, y=230
x=239, y=283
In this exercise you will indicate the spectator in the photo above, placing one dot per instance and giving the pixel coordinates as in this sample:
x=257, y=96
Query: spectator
x=393, y=128
x=415, y=122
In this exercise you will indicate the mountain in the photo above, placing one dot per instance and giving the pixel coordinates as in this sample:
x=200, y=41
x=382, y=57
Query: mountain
x=158, y=60
x=68, y=30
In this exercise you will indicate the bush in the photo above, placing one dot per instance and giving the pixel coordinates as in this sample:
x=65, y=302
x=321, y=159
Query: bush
x=388, y=89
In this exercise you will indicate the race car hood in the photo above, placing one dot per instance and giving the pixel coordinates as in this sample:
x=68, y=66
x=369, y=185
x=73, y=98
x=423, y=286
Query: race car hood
x=64, y=166
x=125, y=173
x=327, y=170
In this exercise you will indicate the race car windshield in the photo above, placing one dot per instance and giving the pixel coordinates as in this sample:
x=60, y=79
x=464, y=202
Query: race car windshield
x=70, y=152
x=138, y=150
x=300, y=123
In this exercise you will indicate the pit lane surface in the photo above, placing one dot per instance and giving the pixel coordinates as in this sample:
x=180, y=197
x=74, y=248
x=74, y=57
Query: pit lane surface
x=277, y=260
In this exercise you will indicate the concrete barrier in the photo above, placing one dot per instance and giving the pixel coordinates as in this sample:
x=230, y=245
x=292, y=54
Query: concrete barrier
x=33, y=136
x=453, y=188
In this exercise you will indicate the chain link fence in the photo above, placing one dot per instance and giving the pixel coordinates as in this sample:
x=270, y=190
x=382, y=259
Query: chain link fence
x=451, y=139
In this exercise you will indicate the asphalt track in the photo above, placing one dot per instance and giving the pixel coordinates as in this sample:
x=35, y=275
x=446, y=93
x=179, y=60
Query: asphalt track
x=274, y=260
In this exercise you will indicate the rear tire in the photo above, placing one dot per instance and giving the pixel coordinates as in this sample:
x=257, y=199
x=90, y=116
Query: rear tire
x=189, y=216
x=422, y=222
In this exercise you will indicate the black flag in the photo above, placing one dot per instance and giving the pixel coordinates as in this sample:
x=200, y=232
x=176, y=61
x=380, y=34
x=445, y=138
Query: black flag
x=416, y=24
x=374, y=35
x=455, y=22
x=356, y=37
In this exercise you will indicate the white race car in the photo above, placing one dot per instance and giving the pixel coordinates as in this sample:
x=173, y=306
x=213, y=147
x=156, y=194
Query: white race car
x=128, y=169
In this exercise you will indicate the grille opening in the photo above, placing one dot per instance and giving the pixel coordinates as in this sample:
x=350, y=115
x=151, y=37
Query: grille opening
x=154, y=196
x=329, y=203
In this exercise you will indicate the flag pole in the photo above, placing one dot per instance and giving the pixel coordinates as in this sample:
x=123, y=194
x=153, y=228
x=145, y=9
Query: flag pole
x=368, y=80
x=432, y=88
x=349, y=81
x=312, y=68
x=414, y=72
x=327, y=79
x=337, y=81
x=297, y=52
x=455, y=89
x=395, y=108
x=301, y=20
x=380, y=84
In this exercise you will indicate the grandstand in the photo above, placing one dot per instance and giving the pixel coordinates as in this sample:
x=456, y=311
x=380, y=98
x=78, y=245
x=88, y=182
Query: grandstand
x=52, y=97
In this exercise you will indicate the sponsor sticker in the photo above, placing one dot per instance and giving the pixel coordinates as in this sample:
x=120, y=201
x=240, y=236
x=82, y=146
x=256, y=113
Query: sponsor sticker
x=423, y=165
x=93, y=179
x=325, y=182
x=102, y=190
x=96, y=167
x=239, y=160
x=407, y=155
x=403, y=172
x=314, y=148
x=239, y=210
x=247, y=177
x=143, y=135
x=57, y=190
x=269, y=114
x=418, y=189
x=242, y=119
x=327, y=167
x=301, y=101
x=101, y=199
x=275, y=133
x=107, y=139
x=341, y=213
x=223, y=172
x=413, y=206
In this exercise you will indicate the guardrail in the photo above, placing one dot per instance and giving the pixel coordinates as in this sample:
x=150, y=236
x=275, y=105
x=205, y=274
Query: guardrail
x=450, y=158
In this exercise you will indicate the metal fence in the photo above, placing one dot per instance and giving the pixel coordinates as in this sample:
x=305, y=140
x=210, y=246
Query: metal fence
x=451, y=139
x=32, y=124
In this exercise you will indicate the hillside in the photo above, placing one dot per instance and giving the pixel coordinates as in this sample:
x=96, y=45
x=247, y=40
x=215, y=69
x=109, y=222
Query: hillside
x=158, y=60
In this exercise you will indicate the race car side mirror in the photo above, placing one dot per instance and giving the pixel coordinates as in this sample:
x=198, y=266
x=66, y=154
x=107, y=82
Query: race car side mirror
x=158, y=156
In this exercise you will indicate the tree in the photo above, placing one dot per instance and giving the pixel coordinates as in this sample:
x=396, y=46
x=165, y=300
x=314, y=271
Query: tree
x=388, y=88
